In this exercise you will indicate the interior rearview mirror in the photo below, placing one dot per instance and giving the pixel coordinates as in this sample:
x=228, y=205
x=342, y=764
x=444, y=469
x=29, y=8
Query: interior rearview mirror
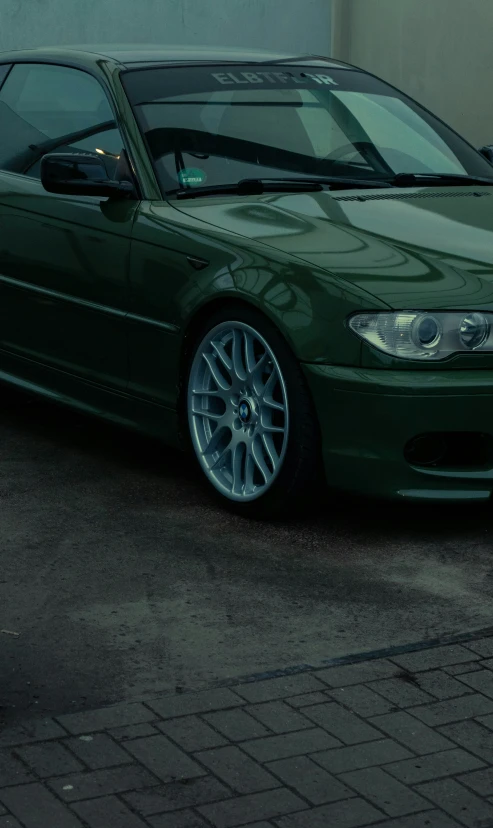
x=487, y=152
x=79, y=174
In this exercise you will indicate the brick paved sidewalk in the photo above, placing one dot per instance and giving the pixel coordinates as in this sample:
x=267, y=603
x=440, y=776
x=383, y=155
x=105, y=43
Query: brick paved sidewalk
x=403, y=742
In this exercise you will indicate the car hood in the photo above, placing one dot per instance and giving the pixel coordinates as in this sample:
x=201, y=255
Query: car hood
x=418, y=248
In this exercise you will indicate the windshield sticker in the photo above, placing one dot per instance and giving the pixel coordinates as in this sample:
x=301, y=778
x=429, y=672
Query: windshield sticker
x=262, y=78
x=192, y=177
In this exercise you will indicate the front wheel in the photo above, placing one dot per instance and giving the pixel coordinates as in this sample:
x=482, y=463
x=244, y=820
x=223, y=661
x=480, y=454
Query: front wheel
x=250, y=417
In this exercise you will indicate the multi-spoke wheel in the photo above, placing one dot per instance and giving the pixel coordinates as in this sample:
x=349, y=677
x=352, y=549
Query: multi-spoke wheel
x=240, y=409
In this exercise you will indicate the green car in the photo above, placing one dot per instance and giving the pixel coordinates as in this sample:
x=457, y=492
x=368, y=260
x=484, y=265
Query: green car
x=280, y=263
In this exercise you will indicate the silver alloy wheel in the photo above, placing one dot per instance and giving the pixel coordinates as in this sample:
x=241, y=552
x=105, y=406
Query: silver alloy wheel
x=238, y=411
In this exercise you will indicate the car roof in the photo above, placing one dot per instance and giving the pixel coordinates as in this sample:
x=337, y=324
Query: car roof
x=132, y=55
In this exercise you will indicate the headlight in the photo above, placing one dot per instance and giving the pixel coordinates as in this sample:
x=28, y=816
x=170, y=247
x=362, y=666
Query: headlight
x=474, y=331
x=425, y=335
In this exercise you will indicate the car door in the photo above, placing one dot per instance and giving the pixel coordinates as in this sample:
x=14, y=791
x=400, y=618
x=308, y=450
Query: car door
x=63, y=259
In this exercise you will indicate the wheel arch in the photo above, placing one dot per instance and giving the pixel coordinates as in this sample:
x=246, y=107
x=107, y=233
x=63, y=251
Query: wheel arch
x=192, y=329
x=304, y=463
x=199, y=317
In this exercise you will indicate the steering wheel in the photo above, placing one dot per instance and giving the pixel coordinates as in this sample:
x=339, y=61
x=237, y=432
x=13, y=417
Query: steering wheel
x=338, y=154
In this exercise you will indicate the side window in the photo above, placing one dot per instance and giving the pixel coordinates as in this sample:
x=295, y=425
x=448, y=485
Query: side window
x=45, y=107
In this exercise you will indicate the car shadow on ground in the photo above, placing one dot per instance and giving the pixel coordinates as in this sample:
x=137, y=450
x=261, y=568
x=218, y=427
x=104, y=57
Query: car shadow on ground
x=122, y=574
x=65, y=430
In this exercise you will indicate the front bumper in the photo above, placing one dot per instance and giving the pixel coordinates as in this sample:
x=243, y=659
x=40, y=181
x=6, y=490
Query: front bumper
x=368, y=416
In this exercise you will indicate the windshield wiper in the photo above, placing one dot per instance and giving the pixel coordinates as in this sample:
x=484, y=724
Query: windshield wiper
x=437, y=179
x=249, y=186
x=259, y=186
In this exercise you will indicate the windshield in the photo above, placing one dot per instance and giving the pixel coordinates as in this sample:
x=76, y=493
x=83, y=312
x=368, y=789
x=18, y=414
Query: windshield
x=217, y=125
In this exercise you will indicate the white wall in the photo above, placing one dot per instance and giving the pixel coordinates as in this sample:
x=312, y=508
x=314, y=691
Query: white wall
x=438, y=51
x=282, y=25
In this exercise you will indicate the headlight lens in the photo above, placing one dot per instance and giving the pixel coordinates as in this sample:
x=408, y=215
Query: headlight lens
x=474, y=331
x=426, y=331
x=423, y=335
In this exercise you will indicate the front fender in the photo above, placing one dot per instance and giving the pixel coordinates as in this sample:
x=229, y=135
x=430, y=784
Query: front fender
x=167, y=295
x=308, y=305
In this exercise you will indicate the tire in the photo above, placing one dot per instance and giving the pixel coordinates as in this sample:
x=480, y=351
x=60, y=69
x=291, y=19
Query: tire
x=251, y=420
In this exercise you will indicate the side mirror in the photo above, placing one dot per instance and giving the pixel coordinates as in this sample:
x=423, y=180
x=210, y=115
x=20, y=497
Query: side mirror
x=78, y=174
x=487, y=152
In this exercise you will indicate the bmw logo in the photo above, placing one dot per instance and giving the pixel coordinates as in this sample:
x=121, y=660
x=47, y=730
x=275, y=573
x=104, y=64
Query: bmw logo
x=244, y=412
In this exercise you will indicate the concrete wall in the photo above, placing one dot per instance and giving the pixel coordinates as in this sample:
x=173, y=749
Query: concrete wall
x=438, y=51
x=286, y=25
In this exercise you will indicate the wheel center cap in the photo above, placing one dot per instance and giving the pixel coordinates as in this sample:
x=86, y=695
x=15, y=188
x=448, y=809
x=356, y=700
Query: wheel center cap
x=245, y=411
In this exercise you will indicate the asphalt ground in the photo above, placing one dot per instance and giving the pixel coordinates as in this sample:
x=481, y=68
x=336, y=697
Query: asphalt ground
x=122, y=578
